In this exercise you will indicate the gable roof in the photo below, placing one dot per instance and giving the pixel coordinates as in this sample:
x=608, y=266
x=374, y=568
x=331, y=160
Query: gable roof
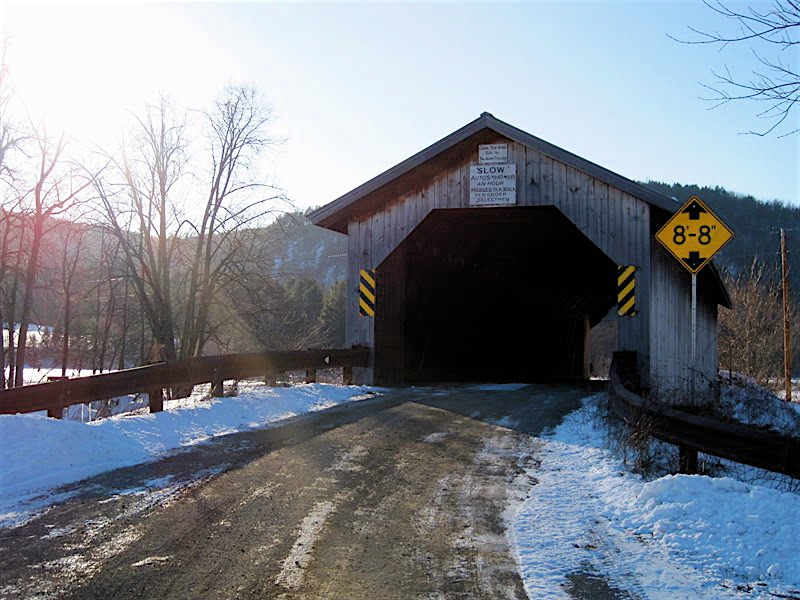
x=331, y=215
x=334, y=215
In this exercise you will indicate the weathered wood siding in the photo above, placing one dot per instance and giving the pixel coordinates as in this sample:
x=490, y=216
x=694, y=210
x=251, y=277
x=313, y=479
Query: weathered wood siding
x=615, y=221
x=670, y=332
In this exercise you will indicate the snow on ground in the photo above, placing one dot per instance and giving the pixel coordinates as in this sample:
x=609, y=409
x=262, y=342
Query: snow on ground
x=501, y=387
x=677, y=536
x=38, y=454
x=35, y=333
x=34, y=375
x=744, y=400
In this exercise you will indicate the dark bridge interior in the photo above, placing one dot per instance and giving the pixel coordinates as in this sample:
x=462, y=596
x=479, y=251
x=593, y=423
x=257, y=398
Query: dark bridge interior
x=489, y=295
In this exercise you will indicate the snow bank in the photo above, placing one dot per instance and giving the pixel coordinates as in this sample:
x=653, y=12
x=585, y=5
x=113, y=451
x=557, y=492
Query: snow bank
x=745, y=532
x=742, y=399
x=678, y=536
x=38, y=453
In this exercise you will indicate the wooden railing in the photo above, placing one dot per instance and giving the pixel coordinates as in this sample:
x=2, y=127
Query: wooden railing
x=152, y=379
x=692, y=433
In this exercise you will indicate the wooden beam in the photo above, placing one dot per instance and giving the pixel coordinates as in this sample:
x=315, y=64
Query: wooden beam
x=687, y=460
x=787, y=329
x=217, y=384
x=587, y=354
x=347, y=375
x=155, y=400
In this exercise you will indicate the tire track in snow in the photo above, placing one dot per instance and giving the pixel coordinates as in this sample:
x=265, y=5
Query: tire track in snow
x=291, y=575
x=312, y=526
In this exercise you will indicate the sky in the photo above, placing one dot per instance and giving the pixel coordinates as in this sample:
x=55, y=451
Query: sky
x=358, y=87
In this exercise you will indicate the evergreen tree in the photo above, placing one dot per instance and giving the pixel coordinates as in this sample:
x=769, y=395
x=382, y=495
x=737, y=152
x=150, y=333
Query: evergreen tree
x=332, y=317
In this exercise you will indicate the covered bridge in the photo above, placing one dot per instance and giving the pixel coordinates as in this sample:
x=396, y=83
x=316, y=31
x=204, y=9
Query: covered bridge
x=494, y=252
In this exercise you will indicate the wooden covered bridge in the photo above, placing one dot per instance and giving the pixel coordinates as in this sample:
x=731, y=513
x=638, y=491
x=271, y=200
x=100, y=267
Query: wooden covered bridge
x=492, y=253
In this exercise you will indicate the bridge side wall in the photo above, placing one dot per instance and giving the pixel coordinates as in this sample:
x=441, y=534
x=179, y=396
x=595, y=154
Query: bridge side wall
x=672, y=367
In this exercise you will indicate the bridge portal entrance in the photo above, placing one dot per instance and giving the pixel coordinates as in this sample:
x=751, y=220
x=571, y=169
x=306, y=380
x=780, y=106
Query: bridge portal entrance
x=498, y=294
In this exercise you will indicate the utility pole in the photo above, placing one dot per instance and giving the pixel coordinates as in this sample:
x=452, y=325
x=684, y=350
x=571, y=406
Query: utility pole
x=787, y=334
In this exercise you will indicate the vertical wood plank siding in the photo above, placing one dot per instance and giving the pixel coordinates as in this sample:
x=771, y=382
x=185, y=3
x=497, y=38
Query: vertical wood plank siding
x=670, y=333
x=615, y=221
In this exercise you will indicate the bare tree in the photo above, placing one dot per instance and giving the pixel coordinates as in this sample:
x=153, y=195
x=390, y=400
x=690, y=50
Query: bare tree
x=236, y=135
x=106, y=298
x=11, y=240
x=12, y=244
x=56, y=186
x=180, y=263
x=751, y=333
x=70, y=241
x=144, y=216
x=11, y=134
x=773, y=26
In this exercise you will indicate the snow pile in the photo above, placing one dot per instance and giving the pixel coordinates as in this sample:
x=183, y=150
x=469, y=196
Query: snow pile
x=675, y=537
x=743, y=531
x=743, y=400
x=38, y=453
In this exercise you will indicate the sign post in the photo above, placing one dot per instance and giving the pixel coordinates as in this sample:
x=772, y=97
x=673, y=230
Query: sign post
x=694, y=326
x=693, y=236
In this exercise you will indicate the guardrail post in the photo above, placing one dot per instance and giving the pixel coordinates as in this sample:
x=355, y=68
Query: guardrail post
x=311, y=375
x=347, y=375
x=687, y=461
x=155, y=400
x=57, y=412
x=216, y=385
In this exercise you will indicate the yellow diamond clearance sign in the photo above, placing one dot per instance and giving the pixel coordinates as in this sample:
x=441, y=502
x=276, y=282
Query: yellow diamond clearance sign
x=694, y=235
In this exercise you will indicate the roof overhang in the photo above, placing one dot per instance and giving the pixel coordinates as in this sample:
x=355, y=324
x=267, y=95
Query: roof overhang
x=336, y=214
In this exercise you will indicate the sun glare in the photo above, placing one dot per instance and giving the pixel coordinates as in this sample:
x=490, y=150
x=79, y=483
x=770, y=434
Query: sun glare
x=82, y=68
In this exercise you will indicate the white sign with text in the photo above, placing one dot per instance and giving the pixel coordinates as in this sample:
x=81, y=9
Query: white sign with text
x=492, y=154
x=493, y=185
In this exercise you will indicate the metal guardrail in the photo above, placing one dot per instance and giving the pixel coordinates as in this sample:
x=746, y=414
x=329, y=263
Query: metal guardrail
x=692, y=433
x=57, y=395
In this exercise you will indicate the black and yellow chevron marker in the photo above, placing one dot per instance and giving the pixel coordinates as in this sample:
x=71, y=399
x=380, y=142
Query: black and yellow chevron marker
x=626, y=290
x=366, y=292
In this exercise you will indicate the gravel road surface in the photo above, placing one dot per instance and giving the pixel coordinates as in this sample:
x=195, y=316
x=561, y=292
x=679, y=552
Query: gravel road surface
x=398, y=496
